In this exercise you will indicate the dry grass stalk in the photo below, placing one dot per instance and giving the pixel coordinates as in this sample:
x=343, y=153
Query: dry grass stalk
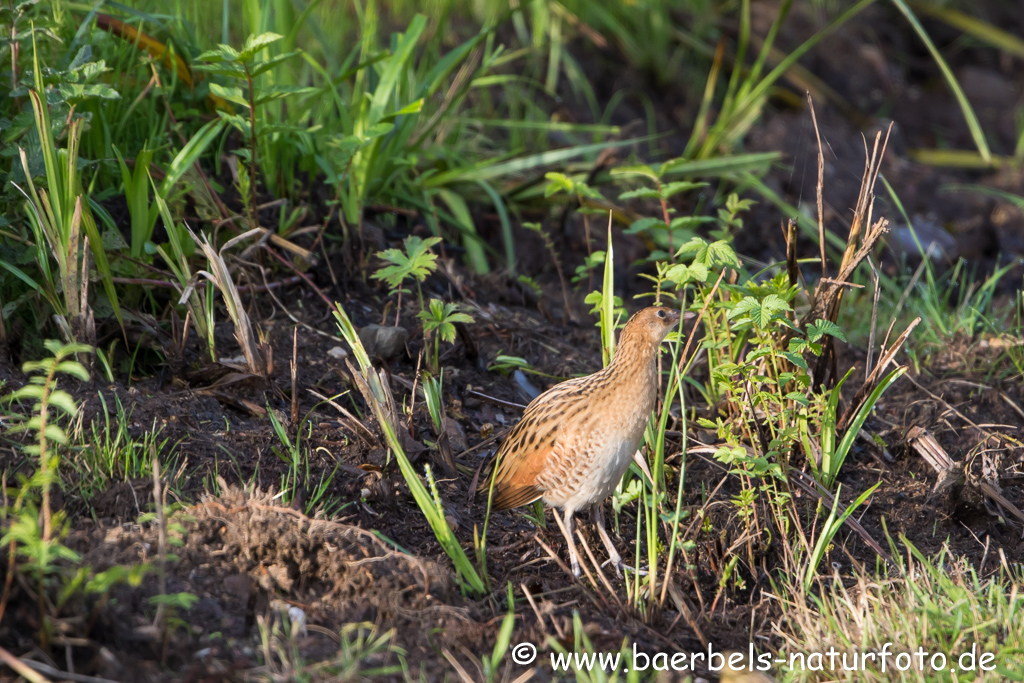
x=828, y=295
x=221, y=278
x=875, y=376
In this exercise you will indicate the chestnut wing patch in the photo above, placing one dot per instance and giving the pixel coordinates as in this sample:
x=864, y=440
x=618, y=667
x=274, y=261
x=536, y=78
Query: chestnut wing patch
x=529, y=447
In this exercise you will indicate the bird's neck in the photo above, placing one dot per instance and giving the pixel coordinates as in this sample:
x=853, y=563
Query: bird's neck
x=635, y=356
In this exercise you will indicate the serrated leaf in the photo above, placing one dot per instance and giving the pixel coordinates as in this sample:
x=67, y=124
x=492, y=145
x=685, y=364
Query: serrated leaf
x=821, y=327
x=699, y=272
x=557, y=182
x=722, y=253
x=416, y=262
x=694, y=246
x=642, y=193
x=225, y=69
x=687, y=222
x=632, y=171
x=678, y=186
x=799, y=398
x=63, y=400
x=796, y=359
x=280, y=92
x=231, y=94
x=643, y=224
x=254, y=44
x=267, y=65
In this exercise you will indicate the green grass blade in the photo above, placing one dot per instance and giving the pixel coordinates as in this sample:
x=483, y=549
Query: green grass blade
x=982, y=30
x=506, y=225
x=394, y=69
x=965, y=107
x=190, y=153
x=488, y=171
x=460, y=211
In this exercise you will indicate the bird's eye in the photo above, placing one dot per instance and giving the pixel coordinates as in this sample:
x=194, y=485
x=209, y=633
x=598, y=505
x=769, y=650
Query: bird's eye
x=661, y=314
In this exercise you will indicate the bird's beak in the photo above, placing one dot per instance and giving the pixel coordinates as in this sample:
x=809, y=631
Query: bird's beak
x=675, y=317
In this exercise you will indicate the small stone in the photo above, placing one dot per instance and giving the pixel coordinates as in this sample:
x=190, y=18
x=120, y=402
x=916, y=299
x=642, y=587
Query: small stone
x=337, y=353
x=281, y=577
x=239, y=586
x=383, y=342
x=471, y=401
x=456, y=435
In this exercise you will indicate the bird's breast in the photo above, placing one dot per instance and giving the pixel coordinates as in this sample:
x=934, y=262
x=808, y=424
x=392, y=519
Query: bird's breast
x=595, y=450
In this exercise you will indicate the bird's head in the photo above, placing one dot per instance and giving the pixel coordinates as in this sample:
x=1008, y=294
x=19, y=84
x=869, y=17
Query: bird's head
x=652, y=324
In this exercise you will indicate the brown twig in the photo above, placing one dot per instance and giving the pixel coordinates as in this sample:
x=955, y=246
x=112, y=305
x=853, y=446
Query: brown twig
x=818, y=189
x=295, y=378
x=496, y=401
x=305, y=278
x=21, y=667
x=872, y=379
x=700, y=316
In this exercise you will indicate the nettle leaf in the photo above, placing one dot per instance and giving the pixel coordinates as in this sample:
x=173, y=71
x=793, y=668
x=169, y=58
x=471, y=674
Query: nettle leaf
x=699, y=272
x=730, y=454
x=726, y=370
x=269, y=64
x=223, y=53
x=712, y=345
x=681, y=274
x=694, y=246
x=377, y=130
x=279, y=92
x=225, y=69
x=231, y=94
x=642, y=193
x=796, y=359
x=718, y=253
x=734, y=204
x=679, y=186
x=775, y=303
x=744, y=305
x=557, y=182
x=644, y=224
x=820, y=328
x=687, y=222
x=799, y=398
x=761, y=312
x=758, y=354
x=239, y=122
x=254, y=44
x=721, y=253
x=641, y=170
x=786, y=322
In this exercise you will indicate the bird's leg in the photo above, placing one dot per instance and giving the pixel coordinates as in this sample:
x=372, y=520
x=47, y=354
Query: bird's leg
x=597, y=514
x=566, y=529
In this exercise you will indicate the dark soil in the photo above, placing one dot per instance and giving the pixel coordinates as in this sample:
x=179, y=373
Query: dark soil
x=248, y=557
